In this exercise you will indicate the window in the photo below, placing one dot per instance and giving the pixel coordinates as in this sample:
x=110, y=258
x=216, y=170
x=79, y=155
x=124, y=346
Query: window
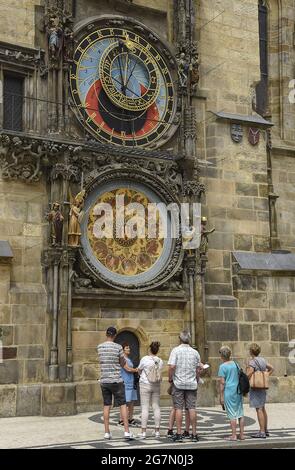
x=262, y=87
x=13, y=94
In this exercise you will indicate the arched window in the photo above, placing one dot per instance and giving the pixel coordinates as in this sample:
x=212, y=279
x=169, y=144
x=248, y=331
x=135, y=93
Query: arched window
x=262, y=87
x=132, y=340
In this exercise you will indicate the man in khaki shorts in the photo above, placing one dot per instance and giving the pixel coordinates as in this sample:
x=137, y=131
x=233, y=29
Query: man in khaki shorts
x=184, y=363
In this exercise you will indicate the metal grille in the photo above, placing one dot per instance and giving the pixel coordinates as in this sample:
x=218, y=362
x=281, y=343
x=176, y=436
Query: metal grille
x=13, y=103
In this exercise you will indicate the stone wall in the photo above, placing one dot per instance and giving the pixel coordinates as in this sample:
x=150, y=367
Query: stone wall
x=155, y=16
x=90, y=321
x=18, y=22
x=284, y=184
x=262, y=310
x=22, y=295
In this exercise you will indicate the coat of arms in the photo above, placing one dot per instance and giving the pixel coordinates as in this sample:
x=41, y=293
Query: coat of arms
x=253, y=135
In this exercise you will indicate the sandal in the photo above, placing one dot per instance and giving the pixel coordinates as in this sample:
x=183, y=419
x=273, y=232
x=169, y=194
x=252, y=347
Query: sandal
x=121, y=422
x=230, y=438
x=132, y=421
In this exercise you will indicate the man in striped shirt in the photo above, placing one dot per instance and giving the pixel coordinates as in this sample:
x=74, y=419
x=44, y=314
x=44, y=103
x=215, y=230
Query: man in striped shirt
x=111, y=359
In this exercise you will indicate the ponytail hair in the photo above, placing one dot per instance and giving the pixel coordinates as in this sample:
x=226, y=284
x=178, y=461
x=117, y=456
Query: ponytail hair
x=154, y=347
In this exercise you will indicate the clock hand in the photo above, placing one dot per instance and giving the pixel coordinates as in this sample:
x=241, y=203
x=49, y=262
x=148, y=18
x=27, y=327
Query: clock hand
x=121, y=48
x=126, y=69
x=126, y=88
x=121, y=73
x=136, y=62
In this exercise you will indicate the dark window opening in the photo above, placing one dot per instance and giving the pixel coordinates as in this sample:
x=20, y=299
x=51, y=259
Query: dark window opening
x=13, y=94
x=262, y=87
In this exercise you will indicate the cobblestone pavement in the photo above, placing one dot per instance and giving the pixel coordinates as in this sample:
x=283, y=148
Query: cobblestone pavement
x=85, y=431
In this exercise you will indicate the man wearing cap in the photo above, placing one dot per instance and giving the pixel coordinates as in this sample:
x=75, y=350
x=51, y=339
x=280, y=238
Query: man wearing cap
x=111, y=359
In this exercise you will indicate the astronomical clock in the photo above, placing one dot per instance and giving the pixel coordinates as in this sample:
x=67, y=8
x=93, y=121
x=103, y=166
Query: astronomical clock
x=123, y=91
x=122, y=86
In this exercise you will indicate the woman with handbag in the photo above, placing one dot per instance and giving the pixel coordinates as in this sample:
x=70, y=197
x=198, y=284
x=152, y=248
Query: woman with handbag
x=231, y=399
x=258, y=371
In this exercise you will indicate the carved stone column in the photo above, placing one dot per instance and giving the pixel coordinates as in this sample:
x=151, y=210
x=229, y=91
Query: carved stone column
x=72, y=253
x=191, y=269
x=272, y=197
x=51, y=262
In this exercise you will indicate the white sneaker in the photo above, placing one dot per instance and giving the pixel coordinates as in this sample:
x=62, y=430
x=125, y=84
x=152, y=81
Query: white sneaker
x=129, y=436
x=157, y=434
x=108, y=435
x=142, y=435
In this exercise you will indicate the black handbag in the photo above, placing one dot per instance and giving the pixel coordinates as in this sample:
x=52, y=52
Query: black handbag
x=244, y=384
x=135, y=381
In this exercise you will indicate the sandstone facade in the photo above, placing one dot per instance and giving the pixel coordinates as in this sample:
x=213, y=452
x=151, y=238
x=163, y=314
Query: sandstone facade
x=249, y=198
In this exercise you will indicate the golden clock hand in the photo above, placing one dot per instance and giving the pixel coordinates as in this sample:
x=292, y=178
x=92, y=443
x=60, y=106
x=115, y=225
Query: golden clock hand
x=121, y=72
x=136, y=62
x=126, y=69
x=118, y=81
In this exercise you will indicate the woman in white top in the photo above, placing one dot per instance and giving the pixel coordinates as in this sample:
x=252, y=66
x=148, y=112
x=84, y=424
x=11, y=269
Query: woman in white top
x=149, y=369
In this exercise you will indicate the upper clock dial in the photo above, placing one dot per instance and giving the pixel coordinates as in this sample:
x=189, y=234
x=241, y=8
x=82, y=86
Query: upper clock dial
x=123, y=88
x=129, y=75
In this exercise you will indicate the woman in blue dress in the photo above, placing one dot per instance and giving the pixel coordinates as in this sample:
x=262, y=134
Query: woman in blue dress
x=127, y=374
x=230, y=399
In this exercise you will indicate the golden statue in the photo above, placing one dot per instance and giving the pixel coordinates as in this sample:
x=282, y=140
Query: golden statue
x=76, y=215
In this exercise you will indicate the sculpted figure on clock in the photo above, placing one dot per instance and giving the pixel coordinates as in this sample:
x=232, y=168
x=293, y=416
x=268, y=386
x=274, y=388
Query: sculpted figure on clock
x=55, y=37
x=76, y=215
x=204, y=236
x=56, y=220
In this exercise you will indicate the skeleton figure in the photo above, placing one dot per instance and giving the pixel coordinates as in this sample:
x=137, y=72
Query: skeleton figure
x=183, y=70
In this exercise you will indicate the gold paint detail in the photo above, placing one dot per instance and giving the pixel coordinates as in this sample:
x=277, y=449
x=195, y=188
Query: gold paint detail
x=118, y=252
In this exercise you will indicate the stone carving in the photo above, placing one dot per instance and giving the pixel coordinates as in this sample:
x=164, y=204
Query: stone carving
x=236, y=132
x=190, y=126
x=21, y=55
x=168, y=171
x=183, y=70
x=56, y=221
x=204, y=237
x=194, y=67
x=58, y=24
x=76, y=215
x=23, y=158
x=69, y=44
x=66, y=171
x=55, y=38
x=193, y=188
x=82, y=282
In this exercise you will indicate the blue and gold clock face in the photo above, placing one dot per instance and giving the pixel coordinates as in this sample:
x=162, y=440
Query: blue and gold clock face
x=122, y=88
